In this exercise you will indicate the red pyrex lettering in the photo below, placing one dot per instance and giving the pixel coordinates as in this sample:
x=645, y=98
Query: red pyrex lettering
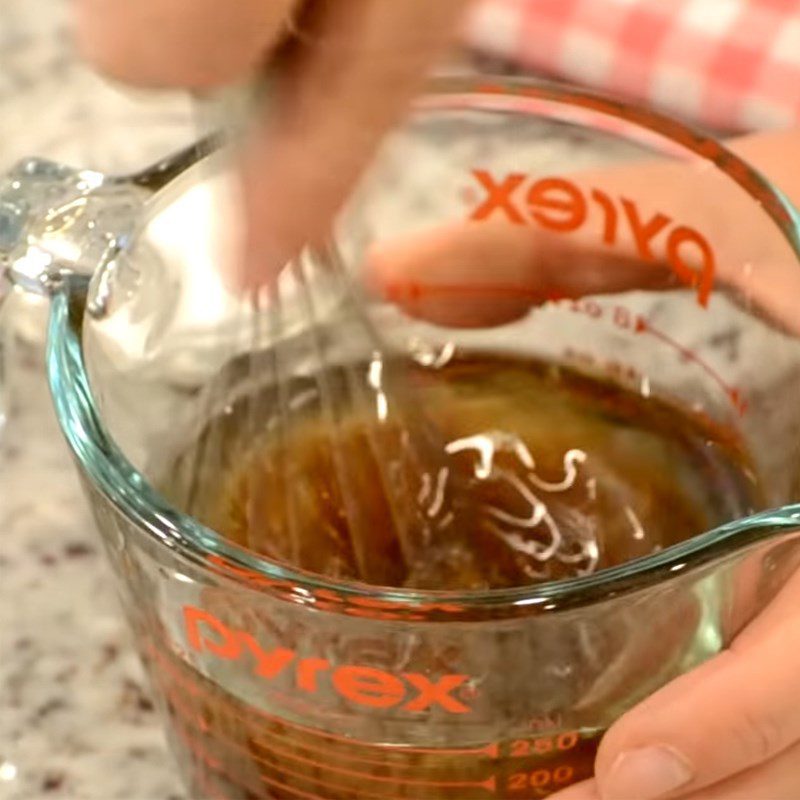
x=560, y=205
x=362, y=685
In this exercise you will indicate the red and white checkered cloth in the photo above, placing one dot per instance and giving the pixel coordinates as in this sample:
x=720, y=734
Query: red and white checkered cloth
x=732, y=65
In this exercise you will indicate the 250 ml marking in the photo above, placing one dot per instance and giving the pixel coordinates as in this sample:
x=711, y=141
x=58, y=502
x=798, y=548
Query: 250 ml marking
x=545, y=745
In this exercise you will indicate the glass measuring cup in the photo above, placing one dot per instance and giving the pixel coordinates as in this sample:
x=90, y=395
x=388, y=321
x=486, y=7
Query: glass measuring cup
x=278, y=683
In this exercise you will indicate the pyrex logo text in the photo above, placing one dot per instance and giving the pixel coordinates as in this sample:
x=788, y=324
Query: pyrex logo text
x=560, y=205
x=362, y=685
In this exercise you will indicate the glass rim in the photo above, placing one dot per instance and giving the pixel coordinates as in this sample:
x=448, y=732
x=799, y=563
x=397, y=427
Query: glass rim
x=118, y=481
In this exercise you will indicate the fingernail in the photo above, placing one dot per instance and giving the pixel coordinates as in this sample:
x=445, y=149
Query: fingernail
x=646, y=774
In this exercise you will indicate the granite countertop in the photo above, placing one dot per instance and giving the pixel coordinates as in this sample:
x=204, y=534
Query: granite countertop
x=77, y=720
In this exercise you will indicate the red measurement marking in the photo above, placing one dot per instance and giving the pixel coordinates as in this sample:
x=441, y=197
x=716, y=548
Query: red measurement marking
x=213, y=763
x=625, y=320
x=186, y=736
x=612, y=367
x=388, y=749
x=491, y=750
x=412, y=290
x=488, y=784
x=541, y=778
x=188, y=714
x=566, y=741
x=733, y=394
x=620, y=316
x=216, y=767
x=547, y=723
x=544, y=745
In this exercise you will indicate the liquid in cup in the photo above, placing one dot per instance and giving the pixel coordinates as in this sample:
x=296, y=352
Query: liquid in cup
x=566, y=474
x=569, y=473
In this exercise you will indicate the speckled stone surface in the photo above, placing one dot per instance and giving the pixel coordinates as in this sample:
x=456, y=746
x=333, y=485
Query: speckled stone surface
x=76, y=719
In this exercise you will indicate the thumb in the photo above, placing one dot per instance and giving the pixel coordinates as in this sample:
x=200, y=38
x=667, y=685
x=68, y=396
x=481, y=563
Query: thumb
x=729, y=715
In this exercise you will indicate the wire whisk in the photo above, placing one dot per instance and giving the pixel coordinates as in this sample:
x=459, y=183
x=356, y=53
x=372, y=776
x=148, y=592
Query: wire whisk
x=327, y=462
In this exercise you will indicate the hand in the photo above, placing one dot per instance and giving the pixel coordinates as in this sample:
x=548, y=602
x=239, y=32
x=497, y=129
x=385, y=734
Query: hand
x=348, y=73
x=729, y=730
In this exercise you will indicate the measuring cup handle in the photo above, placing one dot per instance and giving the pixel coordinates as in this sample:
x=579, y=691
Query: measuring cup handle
x=60, y=224
x=57, y=223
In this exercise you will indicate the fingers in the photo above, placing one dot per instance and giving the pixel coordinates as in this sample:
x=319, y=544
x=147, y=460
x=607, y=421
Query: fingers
x=482, y=274
x=778, y=779
x=477, y=275
x=356, y=67
x=781, y=610
x=485, y=274
x=776, y=154
x=194, y=44
x=731, y=715
x=352, y=71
